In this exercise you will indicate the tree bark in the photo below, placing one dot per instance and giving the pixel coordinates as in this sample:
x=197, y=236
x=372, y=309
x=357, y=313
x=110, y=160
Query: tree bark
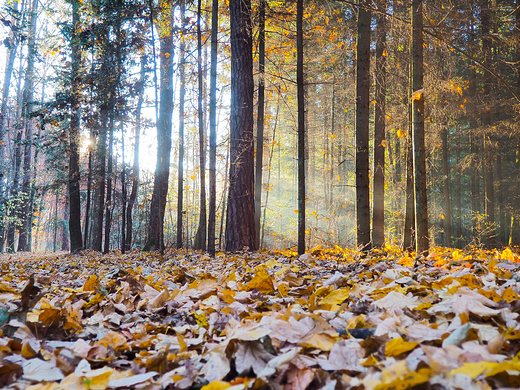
x=180, y=174
x=213, y=131
x=301, y=127
x=488, y=152
x=76, y=239
x=135, y=167
x=155, y=240
x=201, y=235
x=12, y=46
x=362, y=126
x=240, y=219
x=378, y=209
x=28, y=123
x=109, y=203
x=260, y=119
x=419, y=149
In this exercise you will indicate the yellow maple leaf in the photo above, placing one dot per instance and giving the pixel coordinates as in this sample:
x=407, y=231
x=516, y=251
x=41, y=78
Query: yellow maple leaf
x=262, y=281
x=92, y=283
x=333, y=300
x=396, y=347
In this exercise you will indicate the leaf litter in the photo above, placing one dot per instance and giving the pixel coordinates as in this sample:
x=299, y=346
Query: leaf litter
x=330, y=319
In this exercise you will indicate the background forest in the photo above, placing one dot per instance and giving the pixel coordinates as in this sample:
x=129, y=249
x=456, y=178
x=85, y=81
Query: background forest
x=87, y=83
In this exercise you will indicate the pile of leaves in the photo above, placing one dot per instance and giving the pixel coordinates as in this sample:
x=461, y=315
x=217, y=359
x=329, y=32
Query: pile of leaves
x=330, y=319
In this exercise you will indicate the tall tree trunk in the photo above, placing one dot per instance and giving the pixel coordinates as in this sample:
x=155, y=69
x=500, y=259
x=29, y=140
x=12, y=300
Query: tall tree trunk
x=213, y=130
x=135, y=167
x=446, y=177
x=12, y=45
x=514, y=233
x=378, y=210
x=13, y=211
x=99, y=182
x=260, y=119
x=362, y=126
x=240, y=219
x=180, y=175
x=76, y=240
x=419, y=148
x=488, y=152
x=27, y=97
x=109, y=204
x=155, y=240
x=301, y=127
x=409, y=219
x=200, y=238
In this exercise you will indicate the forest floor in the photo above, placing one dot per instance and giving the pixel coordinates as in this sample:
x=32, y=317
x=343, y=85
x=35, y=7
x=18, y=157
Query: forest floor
x=331, y=319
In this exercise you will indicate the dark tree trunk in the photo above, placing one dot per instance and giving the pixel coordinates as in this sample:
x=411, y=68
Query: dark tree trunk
x=260, y=119
x=488, y=152
x=240, y=220
x=180, y=175
x=301, y=127
x=109, y=204
x=201, y=235
x=213, y=131
x=99, y=182
x=378, y=212
x=86, y=224
x=76, y=239
x=408, y=231
x=155, y=239
x=362, y=126
x=419, y=149
x=135, y=167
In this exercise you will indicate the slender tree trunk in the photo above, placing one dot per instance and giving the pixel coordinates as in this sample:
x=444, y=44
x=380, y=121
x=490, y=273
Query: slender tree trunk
x=99, y=182
x=213, y=130
x=28, y=123
x=409, y=230
x=362, y=126
x=201, y=235
x=12, y=45
x=378, y=212
x=419, y=148
x=240, y=220
x=76, y=241
x=180, y=175
x=488, y=151
x=123, y=192
x=446, y=177
x=155, y=240
x=275, y=125
x=135, y=167
x=514, y=232
x=108, y=204
x=300, y=82
x=260, y=119
x=13, y=211
x=86, y=224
